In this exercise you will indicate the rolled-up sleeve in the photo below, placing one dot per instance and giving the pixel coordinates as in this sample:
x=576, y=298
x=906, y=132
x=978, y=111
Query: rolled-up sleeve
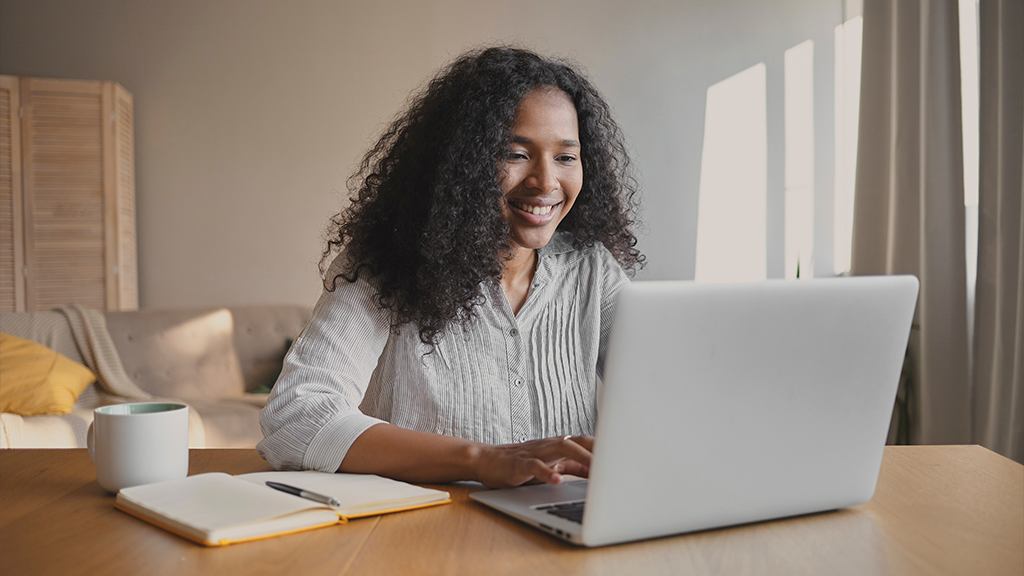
x=312, y=416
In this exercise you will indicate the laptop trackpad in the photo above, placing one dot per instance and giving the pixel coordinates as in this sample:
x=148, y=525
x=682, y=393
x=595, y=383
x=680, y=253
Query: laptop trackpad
x=567, y=491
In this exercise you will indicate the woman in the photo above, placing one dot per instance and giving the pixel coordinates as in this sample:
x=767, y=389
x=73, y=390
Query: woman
x=465, y=312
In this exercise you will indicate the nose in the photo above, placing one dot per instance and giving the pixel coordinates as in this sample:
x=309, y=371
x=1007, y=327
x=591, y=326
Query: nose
x=542, y=176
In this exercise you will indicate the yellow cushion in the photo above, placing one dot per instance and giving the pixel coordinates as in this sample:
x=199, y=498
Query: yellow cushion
x=36, y=380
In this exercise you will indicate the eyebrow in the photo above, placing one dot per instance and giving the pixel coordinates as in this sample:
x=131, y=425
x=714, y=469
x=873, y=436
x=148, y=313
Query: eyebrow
x=524, y=140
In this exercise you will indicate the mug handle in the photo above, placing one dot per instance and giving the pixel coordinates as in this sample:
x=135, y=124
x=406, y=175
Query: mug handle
x=90, y=443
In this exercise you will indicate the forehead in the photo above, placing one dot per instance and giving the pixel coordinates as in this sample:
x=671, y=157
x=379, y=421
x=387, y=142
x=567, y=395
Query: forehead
x=546, y=112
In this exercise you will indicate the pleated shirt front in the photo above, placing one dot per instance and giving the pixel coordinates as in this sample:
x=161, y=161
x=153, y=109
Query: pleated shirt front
x=501, y=378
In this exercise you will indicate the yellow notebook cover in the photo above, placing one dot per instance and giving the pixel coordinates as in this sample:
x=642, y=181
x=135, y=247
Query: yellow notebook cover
x=218, y=509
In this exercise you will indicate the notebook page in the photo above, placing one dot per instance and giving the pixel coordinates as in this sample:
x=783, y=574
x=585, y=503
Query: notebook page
x=209, y=502
x=354, y=491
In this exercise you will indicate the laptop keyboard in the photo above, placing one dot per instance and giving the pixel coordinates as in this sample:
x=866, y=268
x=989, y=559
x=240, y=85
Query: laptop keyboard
x=571, y=511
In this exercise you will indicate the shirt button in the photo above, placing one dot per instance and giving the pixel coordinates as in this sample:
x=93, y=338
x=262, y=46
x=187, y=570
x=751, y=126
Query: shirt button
x=513, y=332
x=523, y=438
x=519, y=381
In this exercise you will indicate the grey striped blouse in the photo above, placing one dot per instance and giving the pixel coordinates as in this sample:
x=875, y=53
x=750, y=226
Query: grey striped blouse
x=502, y=378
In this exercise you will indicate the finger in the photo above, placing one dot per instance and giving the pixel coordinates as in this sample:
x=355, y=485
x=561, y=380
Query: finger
x=572, y=467
x=585, y=441
x=566, y=448
x=541, y=471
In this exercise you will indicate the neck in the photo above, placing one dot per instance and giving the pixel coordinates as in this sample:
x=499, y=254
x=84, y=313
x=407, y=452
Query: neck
x=520, y=267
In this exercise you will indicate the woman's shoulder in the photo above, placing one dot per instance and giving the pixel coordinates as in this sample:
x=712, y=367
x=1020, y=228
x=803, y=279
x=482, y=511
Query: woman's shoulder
x=341, y=271
x=350, y=287
x=563, y=251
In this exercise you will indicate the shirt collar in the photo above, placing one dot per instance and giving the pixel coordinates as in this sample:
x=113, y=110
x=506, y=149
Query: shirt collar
x=560, y=243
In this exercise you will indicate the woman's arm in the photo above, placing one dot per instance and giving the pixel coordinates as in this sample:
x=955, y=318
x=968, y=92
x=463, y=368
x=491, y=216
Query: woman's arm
x=414, y=456
x=312, y=414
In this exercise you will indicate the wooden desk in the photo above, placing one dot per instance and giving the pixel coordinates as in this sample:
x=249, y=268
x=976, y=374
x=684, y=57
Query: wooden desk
x=937, y=510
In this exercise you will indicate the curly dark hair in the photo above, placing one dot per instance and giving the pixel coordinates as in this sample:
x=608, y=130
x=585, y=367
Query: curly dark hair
x=425, y=221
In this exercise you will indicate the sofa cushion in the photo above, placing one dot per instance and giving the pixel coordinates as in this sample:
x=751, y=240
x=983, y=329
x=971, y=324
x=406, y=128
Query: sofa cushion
x=51, y=431
x=262, y=335
x=179, y=354
x=230, y=423
x=37, y=380
x=69, y=430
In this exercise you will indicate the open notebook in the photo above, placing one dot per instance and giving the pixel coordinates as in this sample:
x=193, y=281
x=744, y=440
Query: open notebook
x=217, y=509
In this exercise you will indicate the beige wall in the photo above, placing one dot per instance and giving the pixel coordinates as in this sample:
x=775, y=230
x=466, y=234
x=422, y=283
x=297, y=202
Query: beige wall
x=250, y=114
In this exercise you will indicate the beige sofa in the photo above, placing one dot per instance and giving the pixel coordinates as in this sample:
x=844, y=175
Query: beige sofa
x=218, y=361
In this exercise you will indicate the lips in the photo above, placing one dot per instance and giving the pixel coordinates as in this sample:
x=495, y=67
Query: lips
x=534, y=211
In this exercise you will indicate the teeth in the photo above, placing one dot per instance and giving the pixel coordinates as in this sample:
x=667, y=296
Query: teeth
x=537, y=210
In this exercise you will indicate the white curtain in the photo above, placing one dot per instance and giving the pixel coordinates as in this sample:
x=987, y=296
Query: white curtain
x=909, y=203
x=998, y=400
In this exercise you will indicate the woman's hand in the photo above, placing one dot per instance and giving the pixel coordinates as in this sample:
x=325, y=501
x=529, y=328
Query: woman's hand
x=538, y=460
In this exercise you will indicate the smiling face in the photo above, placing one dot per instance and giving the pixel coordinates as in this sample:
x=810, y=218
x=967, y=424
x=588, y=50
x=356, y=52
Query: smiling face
x=542, y=171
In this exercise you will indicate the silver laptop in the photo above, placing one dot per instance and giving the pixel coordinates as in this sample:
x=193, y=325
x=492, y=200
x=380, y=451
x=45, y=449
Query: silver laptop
x=726, y=404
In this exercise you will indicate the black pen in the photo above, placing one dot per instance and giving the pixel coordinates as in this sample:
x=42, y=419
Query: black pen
x=296, y=491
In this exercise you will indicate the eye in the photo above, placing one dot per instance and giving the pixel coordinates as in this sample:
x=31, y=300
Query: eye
x=516, y=155
x=566, y=158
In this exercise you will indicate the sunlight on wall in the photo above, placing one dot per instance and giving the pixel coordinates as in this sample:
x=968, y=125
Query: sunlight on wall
x=732, y=203
x=732, y=212
x=847, y=38
x=799, y=130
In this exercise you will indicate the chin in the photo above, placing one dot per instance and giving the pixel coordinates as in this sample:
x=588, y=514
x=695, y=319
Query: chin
x=533, y=239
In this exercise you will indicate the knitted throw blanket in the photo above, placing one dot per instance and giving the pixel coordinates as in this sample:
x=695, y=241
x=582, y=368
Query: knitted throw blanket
x=94, y=344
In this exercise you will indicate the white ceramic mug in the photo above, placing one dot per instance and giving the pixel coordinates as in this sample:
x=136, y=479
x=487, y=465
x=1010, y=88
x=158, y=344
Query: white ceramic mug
x=139, y=443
